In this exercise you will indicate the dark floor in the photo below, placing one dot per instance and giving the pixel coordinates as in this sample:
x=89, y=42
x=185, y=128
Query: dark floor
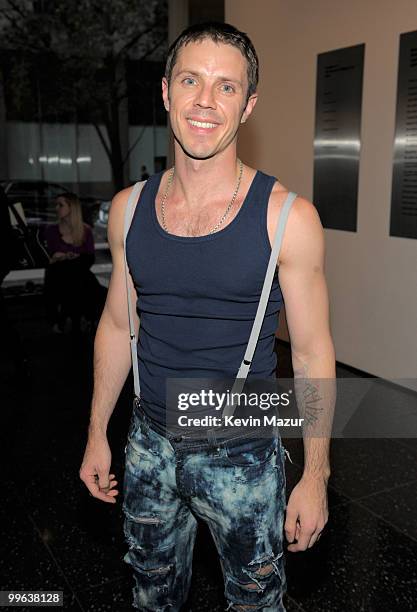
x=54, y=536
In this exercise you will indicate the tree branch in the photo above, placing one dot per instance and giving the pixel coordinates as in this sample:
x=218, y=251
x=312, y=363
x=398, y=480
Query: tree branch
x=103, y=140
x=16, y=8
x=126, y=157
x=13, y=23
x=26, y=45
x=136, y=38
x=154, y=48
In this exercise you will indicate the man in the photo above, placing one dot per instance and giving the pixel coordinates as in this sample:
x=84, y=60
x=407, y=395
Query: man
x=197, y=249
x=144, y=174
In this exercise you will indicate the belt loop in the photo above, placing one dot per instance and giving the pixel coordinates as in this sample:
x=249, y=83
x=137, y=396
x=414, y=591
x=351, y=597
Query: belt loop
x=144, y=423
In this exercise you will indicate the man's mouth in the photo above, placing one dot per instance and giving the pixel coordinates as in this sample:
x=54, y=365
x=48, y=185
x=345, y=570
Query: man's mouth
x=206, y=125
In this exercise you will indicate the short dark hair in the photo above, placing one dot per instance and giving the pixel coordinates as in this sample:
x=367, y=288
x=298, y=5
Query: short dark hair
x=219, y=33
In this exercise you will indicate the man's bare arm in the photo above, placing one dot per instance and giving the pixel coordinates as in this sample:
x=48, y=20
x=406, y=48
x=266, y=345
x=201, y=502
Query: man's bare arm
x=112, y=362
x=301, y=277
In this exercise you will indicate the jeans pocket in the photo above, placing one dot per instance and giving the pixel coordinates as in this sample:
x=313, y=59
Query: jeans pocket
x=250, y=451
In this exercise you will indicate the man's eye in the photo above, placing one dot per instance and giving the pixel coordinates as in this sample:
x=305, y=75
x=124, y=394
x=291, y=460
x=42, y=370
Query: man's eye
x=227, y=88
x=189, y=81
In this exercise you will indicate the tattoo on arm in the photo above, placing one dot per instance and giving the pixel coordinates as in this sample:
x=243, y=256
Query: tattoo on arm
x=315, y=401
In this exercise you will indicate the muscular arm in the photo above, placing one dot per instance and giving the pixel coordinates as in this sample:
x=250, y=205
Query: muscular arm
x=301, y=277
x=111, y=346
x=303, y=284
x=111, y=363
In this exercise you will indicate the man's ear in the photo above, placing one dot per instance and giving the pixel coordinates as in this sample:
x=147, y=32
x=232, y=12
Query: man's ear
x=165, y=95
x=249, y=107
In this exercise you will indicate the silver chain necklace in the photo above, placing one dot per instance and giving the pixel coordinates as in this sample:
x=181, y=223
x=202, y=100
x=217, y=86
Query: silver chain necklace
x=232, y=201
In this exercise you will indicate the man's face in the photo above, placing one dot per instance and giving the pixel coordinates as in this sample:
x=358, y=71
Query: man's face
x=207, y=97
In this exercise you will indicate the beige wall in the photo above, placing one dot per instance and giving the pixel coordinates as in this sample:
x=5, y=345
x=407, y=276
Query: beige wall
x=372, y=277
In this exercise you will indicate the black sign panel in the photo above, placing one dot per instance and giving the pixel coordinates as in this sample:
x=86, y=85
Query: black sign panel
x=404, y=179
x=337, y=136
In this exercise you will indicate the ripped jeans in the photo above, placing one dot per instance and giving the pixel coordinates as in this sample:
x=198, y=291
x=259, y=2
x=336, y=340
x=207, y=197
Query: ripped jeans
x=236, y=485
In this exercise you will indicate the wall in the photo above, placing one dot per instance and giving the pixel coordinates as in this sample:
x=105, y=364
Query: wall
x=372, y=278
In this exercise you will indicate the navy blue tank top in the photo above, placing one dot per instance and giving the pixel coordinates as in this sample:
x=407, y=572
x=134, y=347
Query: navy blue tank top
x=197, y=296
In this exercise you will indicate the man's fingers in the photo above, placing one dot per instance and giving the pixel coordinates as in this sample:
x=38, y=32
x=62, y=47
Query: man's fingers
x=103, y=479
x=290, y=526
x=113, y=493
x=102, y=488
x=108, y=489
x=110, y=485
x=316, y=535
x=104, y=495
x=90, y=481
x=306, y=534
x=305, y=537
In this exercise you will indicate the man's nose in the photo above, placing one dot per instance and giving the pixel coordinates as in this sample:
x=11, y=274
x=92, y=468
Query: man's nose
x=205, y=97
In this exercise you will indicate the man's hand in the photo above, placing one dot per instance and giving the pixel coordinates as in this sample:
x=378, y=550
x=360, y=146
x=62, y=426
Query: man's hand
x=95, y=468
x=306, y=513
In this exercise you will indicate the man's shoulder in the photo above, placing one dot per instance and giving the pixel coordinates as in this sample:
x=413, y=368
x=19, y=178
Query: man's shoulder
x=115, y=227
x=302, y=210
x=119, y=201
x=121, y=196
x=303, y=222
x=301, y=207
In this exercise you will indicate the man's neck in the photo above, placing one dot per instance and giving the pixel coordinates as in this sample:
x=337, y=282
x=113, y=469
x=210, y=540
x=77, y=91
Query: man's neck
x=196, y=182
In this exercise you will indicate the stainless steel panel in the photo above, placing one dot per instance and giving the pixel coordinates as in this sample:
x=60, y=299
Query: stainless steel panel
x=337, y=136
x=404, y=178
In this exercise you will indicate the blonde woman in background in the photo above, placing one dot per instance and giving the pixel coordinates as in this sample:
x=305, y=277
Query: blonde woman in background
x=70, y=286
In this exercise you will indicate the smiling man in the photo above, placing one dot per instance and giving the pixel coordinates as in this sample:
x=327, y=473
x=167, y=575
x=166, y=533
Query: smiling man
x=197, y=250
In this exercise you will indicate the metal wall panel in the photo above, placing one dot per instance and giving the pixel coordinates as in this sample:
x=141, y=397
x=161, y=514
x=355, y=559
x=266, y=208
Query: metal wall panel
x=404, y=178
x=337, y=136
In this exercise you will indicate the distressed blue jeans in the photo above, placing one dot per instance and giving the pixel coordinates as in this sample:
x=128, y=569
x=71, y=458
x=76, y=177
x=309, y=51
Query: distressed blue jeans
x=236, y=485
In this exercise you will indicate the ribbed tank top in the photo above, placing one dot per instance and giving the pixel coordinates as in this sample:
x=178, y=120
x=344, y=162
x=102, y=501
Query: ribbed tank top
x=197, y=296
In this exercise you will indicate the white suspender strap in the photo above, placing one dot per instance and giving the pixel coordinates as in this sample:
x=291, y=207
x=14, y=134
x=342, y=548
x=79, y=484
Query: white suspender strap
x=263, y=302
x=133, y=198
